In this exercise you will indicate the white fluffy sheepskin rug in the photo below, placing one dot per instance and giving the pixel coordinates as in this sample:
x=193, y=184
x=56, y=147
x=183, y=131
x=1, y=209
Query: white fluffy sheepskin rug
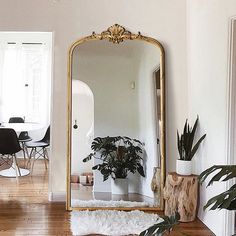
x=107, y=222
x=101, y=203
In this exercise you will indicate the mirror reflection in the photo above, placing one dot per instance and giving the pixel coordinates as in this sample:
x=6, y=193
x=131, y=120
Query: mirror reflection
x=115, y=125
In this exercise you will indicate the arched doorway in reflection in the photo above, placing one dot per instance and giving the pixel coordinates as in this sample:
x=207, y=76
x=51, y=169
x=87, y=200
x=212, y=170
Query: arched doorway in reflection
x=82, y=133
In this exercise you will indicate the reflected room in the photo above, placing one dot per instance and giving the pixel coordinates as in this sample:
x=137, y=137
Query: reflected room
x=115, y=125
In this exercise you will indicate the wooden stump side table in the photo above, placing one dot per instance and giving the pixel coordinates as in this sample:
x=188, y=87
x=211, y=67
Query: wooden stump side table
x=181, y=194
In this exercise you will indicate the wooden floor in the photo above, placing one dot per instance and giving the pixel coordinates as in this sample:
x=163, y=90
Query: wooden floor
x=25, y=210
x=80, y=192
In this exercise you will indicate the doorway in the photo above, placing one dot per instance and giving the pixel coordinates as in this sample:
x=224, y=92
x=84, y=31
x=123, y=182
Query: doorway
x=25, y=88
x=83, y=134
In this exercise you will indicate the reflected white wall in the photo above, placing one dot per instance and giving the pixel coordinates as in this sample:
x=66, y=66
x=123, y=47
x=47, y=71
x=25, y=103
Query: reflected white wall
x=83, y=113
x=149, y=60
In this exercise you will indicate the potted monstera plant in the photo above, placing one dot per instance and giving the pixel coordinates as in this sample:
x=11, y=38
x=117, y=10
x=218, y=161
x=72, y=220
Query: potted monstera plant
x=186, y=148
x=118, y=157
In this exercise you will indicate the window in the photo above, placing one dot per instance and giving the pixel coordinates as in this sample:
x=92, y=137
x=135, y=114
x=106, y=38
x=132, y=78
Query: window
x=25, y=71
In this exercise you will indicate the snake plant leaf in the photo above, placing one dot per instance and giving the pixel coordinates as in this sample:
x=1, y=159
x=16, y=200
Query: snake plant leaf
x=191, y=137
x=165, y=226
x=178, y=140
x=186, y=126
x=185, y=137
x=196, y=146
x=179, y=144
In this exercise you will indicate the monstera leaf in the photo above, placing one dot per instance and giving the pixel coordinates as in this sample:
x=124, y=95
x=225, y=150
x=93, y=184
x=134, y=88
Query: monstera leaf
x=118, y=156
x=165, y=226
x=227, y=199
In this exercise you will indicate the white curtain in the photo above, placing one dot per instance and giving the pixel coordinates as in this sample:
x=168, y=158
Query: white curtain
x=25, y=82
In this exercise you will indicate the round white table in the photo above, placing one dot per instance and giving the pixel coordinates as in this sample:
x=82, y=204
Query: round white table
x=21, y=127
x=18, y=127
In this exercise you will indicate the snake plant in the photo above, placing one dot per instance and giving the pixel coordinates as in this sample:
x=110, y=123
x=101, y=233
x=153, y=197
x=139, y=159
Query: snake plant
x=186, y=148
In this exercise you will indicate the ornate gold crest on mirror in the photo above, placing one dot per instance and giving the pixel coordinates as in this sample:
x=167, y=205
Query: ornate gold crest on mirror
x=116, y=122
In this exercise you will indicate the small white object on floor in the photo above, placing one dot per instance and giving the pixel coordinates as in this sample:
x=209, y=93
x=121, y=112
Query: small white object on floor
x=83, y=179
x=111, y=222
x=101, y=203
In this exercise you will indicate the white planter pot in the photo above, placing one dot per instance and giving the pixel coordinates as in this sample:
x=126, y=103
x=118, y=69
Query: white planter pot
x=119, y=186
x=183, y=167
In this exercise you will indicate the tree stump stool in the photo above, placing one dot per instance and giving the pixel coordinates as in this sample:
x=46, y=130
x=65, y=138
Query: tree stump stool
x=181, y=194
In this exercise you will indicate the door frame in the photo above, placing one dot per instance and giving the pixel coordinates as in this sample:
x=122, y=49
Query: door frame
x=50, y=169
x=231, y=117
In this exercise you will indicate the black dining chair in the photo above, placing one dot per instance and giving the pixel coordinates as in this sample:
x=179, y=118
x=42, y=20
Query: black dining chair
x=23, y=136
x=16, y=120
x=9, y=146
x=39, y=149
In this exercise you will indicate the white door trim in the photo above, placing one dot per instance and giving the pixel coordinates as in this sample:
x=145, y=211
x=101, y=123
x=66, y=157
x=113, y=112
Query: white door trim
x=51, y=117
x=231, y=116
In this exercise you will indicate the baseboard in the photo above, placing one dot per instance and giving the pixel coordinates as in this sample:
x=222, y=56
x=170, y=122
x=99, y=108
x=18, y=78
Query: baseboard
x=102, y=188
x=57, y=196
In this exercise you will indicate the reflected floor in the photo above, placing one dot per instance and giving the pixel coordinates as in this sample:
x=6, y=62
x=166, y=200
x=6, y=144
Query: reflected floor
x=85, y=193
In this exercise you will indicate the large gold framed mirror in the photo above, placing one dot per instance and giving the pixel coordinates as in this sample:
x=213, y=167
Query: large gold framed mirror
x=116, y=122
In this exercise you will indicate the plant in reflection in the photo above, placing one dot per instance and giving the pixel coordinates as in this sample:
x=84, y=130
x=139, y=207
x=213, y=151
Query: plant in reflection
x=119, y=155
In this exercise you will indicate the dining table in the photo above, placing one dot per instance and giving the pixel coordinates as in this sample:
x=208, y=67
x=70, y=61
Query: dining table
x=22, y=127
x=19, y=127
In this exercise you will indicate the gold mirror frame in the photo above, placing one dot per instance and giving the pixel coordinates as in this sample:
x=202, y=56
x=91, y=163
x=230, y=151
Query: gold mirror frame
x=117, y=34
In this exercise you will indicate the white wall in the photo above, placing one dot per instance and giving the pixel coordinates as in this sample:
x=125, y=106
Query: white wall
x=149, y=61
x=208, y=24
x=110, y=78
x=70, y=20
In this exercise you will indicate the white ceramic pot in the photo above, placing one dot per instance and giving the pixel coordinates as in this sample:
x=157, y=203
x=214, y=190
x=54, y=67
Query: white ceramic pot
x=119, y=186
x=183, y=167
